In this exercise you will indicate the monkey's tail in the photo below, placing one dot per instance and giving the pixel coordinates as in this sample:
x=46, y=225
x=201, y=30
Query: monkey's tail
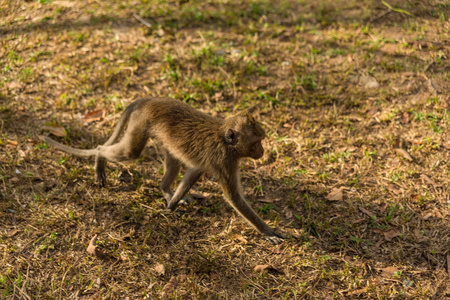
x=123, y=121
x=74, y=151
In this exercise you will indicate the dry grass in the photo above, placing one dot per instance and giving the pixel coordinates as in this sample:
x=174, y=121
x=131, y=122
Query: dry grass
x=355, y=99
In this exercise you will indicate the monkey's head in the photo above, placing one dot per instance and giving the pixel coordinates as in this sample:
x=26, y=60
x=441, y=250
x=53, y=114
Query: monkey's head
x=245, y=135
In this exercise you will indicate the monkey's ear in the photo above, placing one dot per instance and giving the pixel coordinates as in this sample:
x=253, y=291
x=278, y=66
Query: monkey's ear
x=231, y=136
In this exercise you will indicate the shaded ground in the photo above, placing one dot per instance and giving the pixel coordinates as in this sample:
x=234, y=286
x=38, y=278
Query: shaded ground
x=354, y=97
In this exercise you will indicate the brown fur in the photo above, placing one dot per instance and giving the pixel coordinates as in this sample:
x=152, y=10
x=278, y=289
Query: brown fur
x=187, y=136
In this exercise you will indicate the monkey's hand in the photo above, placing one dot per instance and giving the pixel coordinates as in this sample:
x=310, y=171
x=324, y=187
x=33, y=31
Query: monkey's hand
x=274, y=238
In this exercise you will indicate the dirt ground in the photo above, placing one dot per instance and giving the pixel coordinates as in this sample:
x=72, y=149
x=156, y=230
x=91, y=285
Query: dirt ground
x=354, y=96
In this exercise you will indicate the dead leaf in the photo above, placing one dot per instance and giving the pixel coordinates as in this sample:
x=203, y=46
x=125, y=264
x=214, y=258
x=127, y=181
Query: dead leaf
x=123, y=256
x=95, y=115
x=370, y=214
x=388, y=272
x=448, y=264
x=359, y=221
x=11, y=142
x=378, y=244
x=198, y=196
x=55, y=129
x=92, y=248
x=356, y=292
x=383, y=207
x=434, y=213
x=393, y=188
x=403, y=153
x=419, y=237
x=265, y=268
x=63, y=3
x=240, y=238
x=405, y=117
x=391, y=234
x=428, y=180
x=170, y=286
x=336, y=194
x=288, y=214
x=446, y=145
x=369, y=82
x=160, y=269
x=12, y=233
x=217, y=96
x=265, y=200
x=14, y=180
x=183, y=277
x=97, y=283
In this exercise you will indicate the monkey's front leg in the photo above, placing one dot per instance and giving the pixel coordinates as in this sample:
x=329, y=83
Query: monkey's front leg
x=233, y=196
x=191, y=176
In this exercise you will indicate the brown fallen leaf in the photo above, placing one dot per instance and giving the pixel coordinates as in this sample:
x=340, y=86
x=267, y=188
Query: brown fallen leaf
x=170, y=286
x=419, y=237
x=393, y=188
x=370, y=214
x=160, y=269
x=14, y=179
x=428, y=180
x=405, y=117
x=336, y=194
x=240, y=238
x=448, y=264
x=92, y=248
x=11, y=142
x=97, y=283
x=434, y=213
x=446, y=144
x=288, y=214
x=391, y=234
x=95, y=115
x=12, y=233
x=198, y=196
x=388, y=272
x=379, y=242
x=403, y=153
x=183, y=277
x=383, y=207
x=356, y=292
x=358, y=221
x=55, y=129
x=265, y=268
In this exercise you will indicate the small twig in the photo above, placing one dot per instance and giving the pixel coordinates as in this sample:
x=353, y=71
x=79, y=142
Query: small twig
x=384, y=13
x=428, y=66
x=142, y=20
x=431, y=86
x=399, y=10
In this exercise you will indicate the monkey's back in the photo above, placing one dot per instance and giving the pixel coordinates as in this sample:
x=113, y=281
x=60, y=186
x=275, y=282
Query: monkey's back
x=186, y=133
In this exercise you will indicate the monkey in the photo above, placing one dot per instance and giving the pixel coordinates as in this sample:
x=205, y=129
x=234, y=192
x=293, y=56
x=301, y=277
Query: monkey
x=189, y=137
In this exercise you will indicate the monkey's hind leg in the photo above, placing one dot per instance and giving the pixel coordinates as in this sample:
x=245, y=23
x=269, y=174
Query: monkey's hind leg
x=171, y=170
x=99, y=167
x=130, y=147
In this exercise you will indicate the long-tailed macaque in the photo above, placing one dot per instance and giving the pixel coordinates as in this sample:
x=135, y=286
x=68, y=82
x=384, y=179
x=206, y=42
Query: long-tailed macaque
x=187, y=136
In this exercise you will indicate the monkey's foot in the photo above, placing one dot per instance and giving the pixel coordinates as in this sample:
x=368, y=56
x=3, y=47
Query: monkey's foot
x=100, y=177
x=100, y=174
x=186, y=200
x=274, y=238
